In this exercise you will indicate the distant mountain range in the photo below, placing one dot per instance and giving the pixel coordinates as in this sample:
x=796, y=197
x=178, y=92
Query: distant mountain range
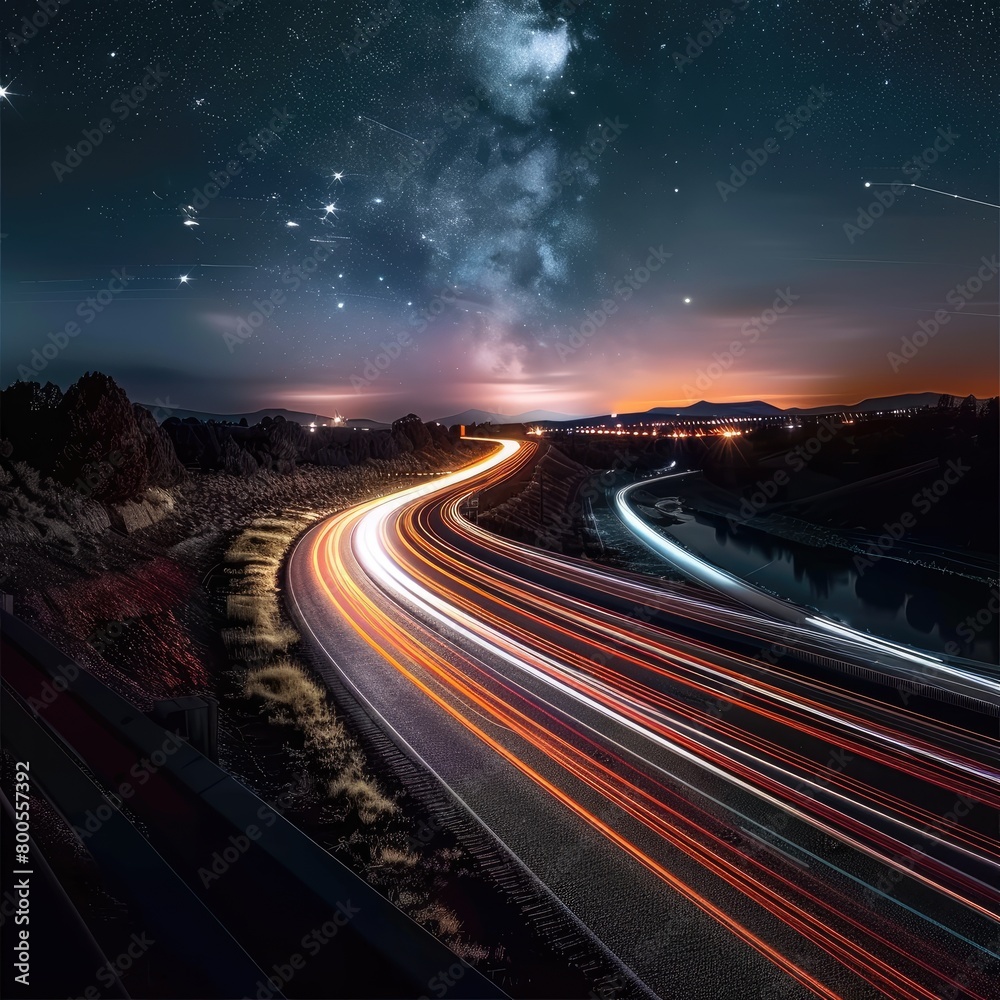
x=485, y=417
x=905, y=401
x=757, y=408
x=753, y=408
x=162, y=413
x=703, y=408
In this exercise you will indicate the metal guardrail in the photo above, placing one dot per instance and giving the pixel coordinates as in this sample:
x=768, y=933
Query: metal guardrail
x=291, y=875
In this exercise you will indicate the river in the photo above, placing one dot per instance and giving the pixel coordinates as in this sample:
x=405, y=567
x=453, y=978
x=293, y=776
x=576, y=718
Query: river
x=924, y=608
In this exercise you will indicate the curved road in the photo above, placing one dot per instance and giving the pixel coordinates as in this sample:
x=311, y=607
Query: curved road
x=693, y=779
x=961, y=678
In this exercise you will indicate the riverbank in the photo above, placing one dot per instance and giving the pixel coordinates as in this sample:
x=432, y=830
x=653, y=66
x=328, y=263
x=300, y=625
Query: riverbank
x=701, y=496
x=899, y=599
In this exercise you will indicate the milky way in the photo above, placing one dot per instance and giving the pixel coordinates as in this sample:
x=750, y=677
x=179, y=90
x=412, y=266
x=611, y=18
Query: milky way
x=473, y=190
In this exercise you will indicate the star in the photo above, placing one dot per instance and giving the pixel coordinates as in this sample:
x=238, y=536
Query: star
x=687, y=301
x=330, y=209
x=185, y=278
x=338, y=176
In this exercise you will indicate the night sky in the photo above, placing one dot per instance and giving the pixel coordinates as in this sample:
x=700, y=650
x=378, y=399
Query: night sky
x=477, y=177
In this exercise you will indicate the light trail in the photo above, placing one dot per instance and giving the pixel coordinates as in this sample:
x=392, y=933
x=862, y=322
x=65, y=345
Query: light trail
x=933, y=668
x=549, y=653
x=947, y=194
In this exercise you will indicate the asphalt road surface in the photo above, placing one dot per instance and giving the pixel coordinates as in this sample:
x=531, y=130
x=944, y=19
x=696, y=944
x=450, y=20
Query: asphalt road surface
x=703, y=785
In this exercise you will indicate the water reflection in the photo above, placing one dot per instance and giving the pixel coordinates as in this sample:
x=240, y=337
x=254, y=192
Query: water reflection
x=922, y=607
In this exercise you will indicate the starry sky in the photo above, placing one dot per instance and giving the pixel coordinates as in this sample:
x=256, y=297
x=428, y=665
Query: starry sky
x=578, y=206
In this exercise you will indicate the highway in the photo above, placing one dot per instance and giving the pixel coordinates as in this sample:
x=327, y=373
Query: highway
x=952, y=677
x=716, y=793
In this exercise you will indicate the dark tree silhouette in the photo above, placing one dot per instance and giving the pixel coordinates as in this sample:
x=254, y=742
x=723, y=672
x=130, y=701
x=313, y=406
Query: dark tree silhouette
x=30, y=423
x=164, y=468
x=967, y=411
x=104, y=453
x=236, y=460
x=410, y=433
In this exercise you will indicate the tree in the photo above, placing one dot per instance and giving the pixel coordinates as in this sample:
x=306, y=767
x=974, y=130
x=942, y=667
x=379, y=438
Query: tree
x=967, y=410
x=410, y=433
x=30, y=424
x=237, y=461
x=104, y=451
x=164, y=468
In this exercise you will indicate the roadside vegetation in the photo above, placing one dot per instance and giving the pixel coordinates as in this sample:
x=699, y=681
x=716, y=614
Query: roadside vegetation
x=354, y=810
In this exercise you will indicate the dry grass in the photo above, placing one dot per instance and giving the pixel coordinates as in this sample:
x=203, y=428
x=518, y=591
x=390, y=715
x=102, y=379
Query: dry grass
x=397, y=857
x=252, y=606
x=255, y=647
x=361, y=794
x=289, y=694
x=439, y=920
x=283, y=691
